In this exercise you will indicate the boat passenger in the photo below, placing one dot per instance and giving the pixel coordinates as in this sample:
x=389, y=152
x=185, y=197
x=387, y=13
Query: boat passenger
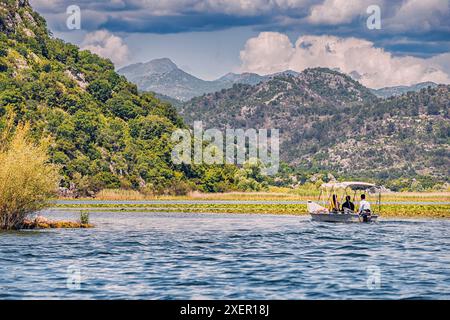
x=364, y=208
x=335, y=204
x=348, y=204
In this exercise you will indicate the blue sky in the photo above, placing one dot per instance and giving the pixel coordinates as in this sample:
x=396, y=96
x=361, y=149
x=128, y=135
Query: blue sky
x=209, y=38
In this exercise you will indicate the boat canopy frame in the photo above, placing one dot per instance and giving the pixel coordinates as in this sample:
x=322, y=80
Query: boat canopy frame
x=354, y=186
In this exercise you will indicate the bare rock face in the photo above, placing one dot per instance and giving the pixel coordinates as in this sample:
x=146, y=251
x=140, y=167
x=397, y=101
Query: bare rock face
x=11, y=19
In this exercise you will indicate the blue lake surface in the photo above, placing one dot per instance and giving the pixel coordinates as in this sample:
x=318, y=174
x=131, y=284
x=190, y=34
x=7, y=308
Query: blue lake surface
x=220, y=256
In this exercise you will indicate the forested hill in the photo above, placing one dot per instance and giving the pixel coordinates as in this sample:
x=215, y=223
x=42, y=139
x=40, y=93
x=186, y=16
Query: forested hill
x=314, y=91
x=105, y=134
x=327, y=121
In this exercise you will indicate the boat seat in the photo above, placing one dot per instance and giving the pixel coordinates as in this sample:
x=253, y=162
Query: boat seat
x=348, y=211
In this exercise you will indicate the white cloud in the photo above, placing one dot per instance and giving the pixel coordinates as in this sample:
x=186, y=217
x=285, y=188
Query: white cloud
x=407, y=15
x=333, y=12
x=422, y=15
x=442, y=61
x=46, y=4
x=273, y=52
x=270, y=52
x=106, y=45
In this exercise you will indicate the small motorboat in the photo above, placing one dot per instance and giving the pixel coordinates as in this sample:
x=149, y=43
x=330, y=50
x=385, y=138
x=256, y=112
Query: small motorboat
x=335, y=213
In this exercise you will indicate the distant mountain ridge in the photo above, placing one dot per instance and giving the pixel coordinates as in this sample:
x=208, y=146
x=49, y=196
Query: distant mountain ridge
x=328, y=121
x=174, y=85
x=165, y=78
x=246, y=105
x=399, y=90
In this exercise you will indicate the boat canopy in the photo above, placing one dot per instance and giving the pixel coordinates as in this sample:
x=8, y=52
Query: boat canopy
x=353, y=185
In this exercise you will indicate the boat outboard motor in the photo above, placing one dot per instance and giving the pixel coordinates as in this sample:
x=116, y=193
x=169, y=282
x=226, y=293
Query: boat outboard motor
x=366, y=215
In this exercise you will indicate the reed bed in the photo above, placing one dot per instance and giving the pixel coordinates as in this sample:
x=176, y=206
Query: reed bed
x=277, y=194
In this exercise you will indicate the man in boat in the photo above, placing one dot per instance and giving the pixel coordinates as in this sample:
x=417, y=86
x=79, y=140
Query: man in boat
x=348, y=205
x=364, y=208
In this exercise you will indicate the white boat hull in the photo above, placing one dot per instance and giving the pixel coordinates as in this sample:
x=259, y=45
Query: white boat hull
x=321, y=214
x=341, y=217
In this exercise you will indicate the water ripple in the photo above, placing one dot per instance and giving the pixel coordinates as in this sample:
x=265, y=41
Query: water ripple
x=196, y=256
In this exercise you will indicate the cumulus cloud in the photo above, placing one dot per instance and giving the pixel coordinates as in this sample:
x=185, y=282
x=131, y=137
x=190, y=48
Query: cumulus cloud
x=333, y=12
x=423, y=15
x=106, y=45
x=397, y=15
x=272, y=52
x=442, y=61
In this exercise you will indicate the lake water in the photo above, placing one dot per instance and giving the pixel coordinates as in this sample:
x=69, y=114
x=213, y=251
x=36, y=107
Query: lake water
x=220, y=256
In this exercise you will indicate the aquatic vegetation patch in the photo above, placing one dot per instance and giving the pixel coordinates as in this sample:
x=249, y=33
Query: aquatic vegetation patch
x=84, y=217
x=395, y=210
x=416, y=211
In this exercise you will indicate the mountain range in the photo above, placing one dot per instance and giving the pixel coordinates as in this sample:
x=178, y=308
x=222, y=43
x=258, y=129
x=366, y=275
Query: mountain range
x=328, y=121
x=174, y=85
x=165, y=78
x=399, y=90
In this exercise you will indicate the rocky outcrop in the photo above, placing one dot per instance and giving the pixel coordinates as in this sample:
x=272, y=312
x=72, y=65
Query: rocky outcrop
x=16, y=15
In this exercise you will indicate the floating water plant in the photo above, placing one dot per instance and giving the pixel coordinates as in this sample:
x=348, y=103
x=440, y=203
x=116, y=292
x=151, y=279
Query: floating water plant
x=84, y=217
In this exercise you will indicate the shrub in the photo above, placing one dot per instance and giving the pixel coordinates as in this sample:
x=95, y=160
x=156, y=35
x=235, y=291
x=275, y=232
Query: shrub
x=179, y=188
x=27, y=179
x=250, y=177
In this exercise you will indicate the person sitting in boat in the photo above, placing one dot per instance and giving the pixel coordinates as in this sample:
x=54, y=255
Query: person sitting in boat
x=348, y=205
x=364, y=205
x=334, y=204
